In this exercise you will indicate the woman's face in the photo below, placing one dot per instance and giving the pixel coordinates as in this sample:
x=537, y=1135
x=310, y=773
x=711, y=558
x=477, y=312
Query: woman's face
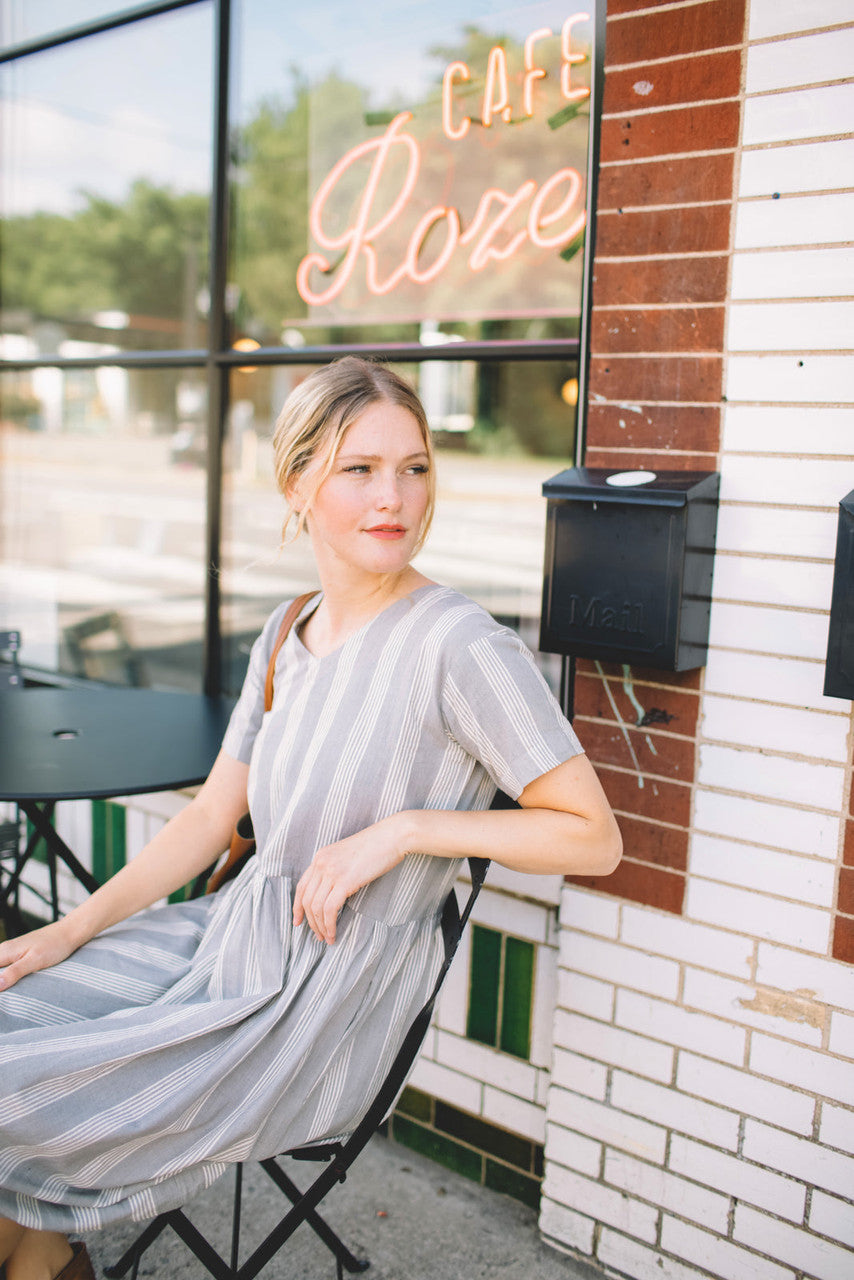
x=366, y=516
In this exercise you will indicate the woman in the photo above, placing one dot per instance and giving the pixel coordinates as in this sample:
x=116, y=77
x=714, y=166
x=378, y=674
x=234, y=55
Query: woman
x=142, y=1053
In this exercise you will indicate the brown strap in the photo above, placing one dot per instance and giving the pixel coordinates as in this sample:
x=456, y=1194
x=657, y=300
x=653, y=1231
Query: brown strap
x=243, y=839
x=293, y=611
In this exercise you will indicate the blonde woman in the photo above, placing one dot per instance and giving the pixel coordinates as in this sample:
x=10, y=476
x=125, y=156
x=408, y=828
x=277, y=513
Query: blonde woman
x=144, y=1048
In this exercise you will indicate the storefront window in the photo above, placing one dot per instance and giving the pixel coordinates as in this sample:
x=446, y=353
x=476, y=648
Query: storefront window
x=102, y=518
x=410, y=180
x=410, y=175
x=106, y=191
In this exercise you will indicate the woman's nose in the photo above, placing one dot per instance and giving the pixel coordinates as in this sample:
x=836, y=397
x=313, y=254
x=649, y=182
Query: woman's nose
x=389, y=494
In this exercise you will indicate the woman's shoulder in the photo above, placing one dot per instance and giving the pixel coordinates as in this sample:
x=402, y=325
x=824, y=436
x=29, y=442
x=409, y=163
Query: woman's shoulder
x=460, y=622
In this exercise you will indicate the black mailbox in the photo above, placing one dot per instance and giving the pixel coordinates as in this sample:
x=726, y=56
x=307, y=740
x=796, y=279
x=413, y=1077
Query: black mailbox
x=628, y=567
x=839, y=670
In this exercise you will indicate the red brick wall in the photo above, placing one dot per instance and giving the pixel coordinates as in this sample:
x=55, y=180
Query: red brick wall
x=843, y=930
x=670, y=128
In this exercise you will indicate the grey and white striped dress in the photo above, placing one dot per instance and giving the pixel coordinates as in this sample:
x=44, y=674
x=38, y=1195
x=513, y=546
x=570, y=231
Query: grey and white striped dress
x=194, y=1035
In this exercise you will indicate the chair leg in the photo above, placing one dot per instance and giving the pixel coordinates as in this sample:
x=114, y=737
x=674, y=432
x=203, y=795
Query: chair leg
x=333, y=1242
x=235, y=1217
x=137, y=1249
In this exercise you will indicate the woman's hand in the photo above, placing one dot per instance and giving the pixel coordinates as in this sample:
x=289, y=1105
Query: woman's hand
x=337, y=870
x=39, y=949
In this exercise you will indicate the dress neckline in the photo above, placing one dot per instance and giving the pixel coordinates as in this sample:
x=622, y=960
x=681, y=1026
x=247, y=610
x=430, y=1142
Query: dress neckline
x=314, y=602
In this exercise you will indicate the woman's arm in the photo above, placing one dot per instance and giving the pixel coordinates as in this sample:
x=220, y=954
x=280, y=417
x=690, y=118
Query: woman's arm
x=189, y=843
x=565, y=826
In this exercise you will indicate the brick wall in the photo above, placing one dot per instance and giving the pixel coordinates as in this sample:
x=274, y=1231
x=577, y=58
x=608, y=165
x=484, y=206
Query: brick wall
x=670, y=130
x=701, y=1112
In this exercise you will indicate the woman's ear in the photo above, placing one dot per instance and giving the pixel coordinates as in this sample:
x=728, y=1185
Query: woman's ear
x=293, y=495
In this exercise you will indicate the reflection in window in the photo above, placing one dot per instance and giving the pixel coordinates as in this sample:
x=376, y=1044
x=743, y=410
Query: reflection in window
x=102, y=518
x=24, y=20
x=105, y=194
x=394, y=173
x=500, y=431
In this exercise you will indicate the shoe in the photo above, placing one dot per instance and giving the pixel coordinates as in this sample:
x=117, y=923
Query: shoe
x=80, y=1265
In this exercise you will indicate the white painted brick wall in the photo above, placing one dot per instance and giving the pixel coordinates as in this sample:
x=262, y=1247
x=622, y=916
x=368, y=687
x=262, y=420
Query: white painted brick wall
x=799, y=1248
x=681, y=1113
x=753, y=428
x=604, y=1203
x=639, y=1261
x=793, y=1019
x=779, y=826
x=829, y=980
x=767, y=18
x=746, y=1093
x=718, y=1047
x=754, y=913
x=837, y=1127
x=813, y=880
x=800, y=1157
x=772, y=728
x=715, y=1254
x=804, y=1069
x=651, y=1183
x=603, y=1043
x=765, y=224
x=738, y=1177
x=573, y=1151
x=811, y=166
x=831, y=1216
x=842, y=1036
x=679, y=939
x=826, y=56
x=661, y=1020
x=607, y=1124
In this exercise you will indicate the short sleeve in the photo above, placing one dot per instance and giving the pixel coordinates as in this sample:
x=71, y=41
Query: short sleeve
x=498, y=707
x=248, y=713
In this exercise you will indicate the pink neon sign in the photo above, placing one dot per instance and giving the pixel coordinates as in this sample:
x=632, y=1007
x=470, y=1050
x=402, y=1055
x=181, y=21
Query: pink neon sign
x=446, y=201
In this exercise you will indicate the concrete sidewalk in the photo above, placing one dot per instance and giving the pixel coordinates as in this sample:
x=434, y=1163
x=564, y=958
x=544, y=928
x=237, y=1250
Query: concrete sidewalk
x=412, y=1218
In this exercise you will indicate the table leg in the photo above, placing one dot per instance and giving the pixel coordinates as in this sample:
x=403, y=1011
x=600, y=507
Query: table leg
x=39, y=815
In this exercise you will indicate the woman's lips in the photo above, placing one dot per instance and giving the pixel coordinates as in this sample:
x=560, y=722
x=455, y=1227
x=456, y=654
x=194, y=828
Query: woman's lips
x=387, y=531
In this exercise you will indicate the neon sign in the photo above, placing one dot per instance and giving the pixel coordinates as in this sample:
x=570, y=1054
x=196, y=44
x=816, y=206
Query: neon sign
x=379, y=229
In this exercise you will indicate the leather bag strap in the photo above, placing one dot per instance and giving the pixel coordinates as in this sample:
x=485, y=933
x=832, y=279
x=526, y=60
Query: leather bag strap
x=292, y=612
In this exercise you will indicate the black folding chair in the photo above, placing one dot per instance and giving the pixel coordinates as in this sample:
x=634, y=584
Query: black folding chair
x=336, y=1156
x=11, y=681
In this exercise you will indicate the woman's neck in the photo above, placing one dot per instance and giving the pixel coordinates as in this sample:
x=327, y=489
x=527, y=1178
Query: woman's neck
x=347, y=606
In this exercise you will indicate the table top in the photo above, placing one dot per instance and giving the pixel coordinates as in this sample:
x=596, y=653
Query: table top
x=75, y=744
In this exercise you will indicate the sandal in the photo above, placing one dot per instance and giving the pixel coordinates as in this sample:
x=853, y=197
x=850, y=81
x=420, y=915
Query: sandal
x=79, y=1267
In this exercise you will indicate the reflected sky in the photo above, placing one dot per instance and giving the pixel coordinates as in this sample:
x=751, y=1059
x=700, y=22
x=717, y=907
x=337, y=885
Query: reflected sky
x=99, y=113
x=386, y=47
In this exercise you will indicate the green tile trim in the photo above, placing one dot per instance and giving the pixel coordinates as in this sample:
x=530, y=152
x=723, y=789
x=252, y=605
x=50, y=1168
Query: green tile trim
x=109, y=845
x=484, y=985
x=498, y=1177
x=437, y=1147
x=517, y=997
x=486, y=1137
x=479, y=1150
x=417, y=1105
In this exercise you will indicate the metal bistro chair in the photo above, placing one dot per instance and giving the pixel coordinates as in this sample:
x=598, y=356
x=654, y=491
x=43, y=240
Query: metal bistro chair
x=11, y=680
x=337, y=1157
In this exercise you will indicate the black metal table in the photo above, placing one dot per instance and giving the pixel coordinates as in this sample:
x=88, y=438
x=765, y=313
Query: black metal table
x=88, y=744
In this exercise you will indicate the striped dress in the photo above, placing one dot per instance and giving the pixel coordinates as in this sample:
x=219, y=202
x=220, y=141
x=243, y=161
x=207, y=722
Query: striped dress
x=191, y=1036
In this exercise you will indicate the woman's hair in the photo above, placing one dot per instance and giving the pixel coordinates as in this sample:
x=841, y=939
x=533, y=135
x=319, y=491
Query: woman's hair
x=319, y=411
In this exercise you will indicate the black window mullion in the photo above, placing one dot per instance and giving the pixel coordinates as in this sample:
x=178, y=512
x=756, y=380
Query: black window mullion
x=217, y=375
x=109, y=23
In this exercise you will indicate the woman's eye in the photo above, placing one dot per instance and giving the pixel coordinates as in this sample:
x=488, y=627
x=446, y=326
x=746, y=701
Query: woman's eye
x=357, y=469
x=419, y=469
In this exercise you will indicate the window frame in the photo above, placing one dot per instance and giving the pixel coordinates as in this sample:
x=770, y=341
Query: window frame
x=217, y=358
